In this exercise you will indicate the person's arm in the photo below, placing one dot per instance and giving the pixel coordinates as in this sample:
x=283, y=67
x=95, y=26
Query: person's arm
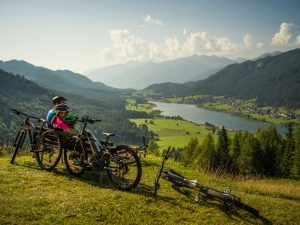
x=70, y=131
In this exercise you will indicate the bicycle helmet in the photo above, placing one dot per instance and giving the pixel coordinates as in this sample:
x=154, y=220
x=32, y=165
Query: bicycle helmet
x=71, y=119
x=61, y=107
x=58, y=99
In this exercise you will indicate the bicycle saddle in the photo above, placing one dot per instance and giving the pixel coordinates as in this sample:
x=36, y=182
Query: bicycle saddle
x=109, y=134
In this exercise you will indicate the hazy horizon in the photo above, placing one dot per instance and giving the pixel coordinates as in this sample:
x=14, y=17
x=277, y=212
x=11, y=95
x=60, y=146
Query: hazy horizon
x=84, y=35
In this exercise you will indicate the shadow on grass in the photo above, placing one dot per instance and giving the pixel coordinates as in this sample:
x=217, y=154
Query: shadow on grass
x=93, y=178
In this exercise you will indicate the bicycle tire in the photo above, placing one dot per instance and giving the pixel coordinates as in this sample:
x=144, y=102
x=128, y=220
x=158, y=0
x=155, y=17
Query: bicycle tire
x=231, y=200
x=18, y=143
x=48, y=150
x=245, y=207
x=124, y=168
x=75, y=157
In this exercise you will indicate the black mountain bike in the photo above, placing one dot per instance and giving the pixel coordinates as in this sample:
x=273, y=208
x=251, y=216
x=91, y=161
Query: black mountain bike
x=45, y=143
x=204, y=193
x=122, y=164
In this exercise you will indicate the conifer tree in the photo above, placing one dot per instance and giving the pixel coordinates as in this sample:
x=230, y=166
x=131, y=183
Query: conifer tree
x=286, y=161
x=189, y=154
x=206, y=158
x=235, y=149
x=295, y=171
x=222, y=158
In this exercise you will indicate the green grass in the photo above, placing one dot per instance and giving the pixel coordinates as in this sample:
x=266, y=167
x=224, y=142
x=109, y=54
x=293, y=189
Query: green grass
x=29, y=195
x=175, y=133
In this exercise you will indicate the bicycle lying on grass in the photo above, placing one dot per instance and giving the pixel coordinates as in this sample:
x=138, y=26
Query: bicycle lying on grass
x=204, y=193
x=122, y=164
x=44, y=143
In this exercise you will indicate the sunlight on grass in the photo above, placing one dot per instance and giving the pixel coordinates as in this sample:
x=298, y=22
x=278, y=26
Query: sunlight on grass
x=29, y=195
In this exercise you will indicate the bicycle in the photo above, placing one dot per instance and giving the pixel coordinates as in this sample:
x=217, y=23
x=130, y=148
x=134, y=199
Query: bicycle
x=204, y=193
x=121, y=163
x=44, y=143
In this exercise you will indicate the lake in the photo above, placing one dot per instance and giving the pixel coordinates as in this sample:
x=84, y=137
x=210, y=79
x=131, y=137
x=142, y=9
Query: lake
x=200, y=115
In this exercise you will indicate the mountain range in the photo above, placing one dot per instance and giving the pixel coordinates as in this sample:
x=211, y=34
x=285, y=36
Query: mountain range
x=139, y=75
x=272, y=80
x=62, y=80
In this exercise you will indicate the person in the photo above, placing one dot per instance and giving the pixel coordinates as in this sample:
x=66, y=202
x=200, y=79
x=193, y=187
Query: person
x=61, y=111
x=56, y=100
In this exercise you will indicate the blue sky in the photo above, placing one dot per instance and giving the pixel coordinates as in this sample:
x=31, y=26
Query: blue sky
x=82, y=35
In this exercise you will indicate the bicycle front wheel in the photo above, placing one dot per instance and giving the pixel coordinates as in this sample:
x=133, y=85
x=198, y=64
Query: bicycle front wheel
x=18, y=143
x=75, y=156
x=48, y=150
x=124, y=168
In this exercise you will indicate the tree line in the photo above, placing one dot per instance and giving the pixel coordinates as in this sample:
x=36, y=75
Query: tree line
x=263, y=153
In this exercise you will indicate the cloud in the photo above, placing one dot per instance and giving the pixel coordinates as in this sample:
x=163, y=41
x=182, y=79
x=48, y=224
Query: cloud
x=260, y=45
x=248, y=41
x=283, y=36
x=184, y=31
x=150, y=20
x=298, y=41
x=128, y=47
x=106, y=56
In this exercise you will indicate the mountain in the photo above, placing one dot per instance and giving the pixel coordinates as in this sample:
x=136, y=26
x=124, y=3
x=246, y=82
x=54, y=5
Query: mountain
x=140, y=75
x=267, y=54
x=25, y=95
x=62, y=80
x=273, y=80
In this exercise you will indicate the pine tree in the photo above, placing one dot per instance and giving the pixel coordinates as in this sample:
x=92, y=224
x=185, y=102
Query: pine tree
x=206, y=158
x=295, y=171
x=245, y=159
x=288, y=153
x=235, y=149
x=222, y=158
x=189, y=154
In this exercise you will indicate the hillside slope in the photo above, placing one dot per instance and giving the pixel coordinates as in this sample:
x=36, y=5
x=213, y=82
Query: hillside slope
x=273, y=80
x=19, y=93
x=63, y=80
x=29, y=195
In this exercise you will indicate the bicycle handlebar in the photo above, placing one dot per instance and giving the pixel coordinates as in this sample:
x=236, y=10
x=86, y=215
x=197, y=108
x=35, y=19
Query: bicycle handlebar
x=17, y=112
x=86, y=119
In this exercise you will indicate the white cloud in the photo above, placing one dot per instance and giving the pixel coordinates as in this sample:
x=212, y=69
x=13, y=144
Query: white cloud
x=283, y=36
x=298, y=41
x=260, y=45
x=128, y=47
x=106, y=56
x=248, y=41
x=150, y=20
x=184, y=31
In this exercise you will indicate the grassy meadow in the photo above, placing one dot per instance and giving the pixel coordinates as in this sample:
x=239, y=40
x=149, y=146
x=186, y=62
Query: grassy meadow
x=172, y=132
x=29, y=195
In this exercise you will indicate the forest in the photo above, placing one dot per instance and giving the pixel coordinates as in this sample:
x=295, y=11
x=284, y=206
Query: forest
x=264, y=153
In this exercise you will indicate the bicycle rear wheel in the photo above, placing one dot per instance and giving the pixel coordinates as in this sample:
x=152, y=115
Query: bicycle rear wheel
x=48, y=150
x=124, y=169
x=18, y=143
x=75, y=156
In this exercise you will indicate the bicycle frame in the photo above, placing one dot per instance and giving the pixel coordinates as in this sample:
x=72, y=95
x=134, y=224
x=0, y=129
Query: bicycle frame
x=29, y=128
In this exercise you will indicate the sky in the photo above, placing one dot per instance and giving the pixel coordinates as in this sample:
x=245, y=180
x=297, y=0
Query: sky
x=84, y=35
